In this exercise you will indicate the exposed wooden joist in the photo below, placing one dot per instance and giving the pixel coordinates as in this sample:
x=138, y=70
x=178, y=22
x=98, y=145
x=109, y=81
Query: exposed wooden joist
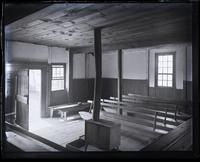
x=154, y=41
x=98, y=80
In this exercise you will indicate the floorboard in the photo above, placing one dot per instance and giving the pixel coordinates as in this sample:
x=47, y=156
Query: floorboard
x=63, y=132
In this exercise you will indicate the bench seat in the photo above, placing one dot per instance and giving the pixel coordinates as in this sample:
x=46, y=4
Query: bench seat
x=65, y=108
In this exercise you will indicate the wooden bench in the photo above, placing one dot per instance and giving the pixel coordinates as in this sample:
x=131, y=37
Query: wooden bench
x=141, y=115
x=178, y=139
x=64, y=109
x=147, y=108
x=132, y=127
x=147, y=103
x=180, y=104
x=153, y=104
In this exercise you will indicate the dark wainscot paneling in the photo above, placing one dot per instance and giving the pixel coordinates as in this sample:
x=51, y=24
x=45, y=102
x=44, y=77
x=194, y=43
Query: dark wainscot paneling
x=135, y=86
x=178, y=94
x=109, y=87
x=82, y=90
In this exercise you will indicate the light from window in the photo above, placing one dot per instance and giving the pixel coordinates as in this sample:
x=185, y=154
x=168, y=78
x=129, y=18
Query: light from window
x=57, y=82
x=165, y=70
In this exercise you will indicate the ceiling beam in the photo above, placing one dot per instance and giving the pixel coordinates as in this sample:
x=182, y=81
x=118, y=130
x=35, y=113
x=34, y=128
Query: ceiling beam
x=134, y=44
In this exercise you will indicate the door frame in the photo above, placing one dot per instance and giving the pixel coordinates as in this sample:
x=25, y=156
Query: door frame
x=40, y=88
x=44, y=67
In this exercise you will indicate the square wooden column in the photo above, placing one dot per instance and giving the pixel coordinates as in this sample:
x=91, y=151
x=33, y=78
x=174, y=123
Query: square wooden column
x=119, y=79
x=101, y=133
x=70, y=95
x=98, y=65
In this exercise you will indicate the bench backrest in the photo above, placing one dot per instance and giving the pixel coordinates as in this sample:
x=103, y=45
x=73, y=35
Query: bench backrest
x=172, y=139
x=115, y=105
x=129, y=101
x=158, y=100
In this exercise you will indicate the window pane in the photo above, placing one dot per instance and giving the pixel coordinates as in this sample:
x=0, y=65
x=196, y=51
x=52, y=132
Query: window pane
x=160, y=58
x=160, y=70
x=54, y=85
x=164, y=70
x=169, y=58
x=62, y=71
x=57, y=85
x=170, y=70
x=164, y=58
x=159, y=77
x=169, y=83
x=169, y=77
x=62, y=84
x=58, y=71
x=54, y=70
x=164, y=77
x=159, y=83
x=165, y=64
x=160, y=64
x=169, y=64
x=164, y=83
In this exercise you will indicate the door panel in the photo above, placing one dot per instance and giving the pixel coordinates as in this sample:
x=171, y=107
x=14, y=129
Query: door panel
x=22, y=99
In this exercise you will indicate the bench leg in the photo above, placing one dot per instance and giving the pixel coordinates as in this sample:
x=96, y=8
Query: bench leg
x=165, y=117
x=154, y=126
x=86, y=146
x=51, y=113
x=65, y=115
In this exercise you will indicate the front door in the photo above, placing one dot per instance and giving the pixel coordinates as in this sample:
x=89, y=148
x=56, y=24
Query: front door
x=22, y=99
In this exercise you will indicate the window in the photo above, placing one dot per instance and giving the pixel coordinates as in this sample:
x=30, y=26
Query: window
x=165, y=70
x=58, y=77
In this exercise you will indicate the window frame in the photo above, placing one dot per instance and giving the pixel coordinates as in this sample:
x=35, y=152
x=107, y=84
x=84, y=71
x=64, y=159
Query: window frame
x=64, y=66
x=173, y=68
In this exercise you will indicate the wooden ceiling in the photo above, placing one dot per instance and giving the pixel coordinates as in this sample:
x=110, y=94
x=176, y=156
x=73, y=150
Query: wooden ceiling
x=71, y=25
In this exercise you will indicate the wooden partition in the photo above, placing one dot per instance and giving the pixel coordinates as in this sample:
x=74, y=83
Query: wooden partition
x=179, y=139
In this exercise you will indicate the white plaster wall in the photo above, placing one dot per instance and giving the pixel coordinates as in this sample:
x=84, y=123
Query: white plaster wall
x=109, y=64
x=180, y=66
x=58, y=55
x=180, y=52
x=19, y=51
x=135, y=64
x=78, y=66
x=152, y=69
x=90, y=66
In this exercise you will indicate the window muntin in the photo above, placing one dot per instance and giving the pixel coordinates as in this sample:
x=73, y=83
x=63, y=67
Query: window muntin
x=165, y=71
x=58, y=77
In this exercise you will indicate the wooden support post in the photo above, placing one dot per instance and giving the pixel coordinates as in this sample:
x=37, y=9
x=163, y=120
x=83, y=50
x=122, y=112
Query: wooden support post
x=70, y=76
x=119, y=82
x=98, y=65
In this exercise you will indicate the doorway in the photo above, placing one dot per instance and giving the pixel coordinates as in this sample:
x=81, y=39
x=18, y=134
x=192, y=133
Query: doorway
x=34, y=98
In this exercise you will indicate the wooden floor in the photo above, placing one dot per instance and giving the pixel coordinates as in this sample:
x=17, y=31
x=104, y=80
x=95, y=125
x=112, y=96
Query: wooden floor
x=63, y=132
